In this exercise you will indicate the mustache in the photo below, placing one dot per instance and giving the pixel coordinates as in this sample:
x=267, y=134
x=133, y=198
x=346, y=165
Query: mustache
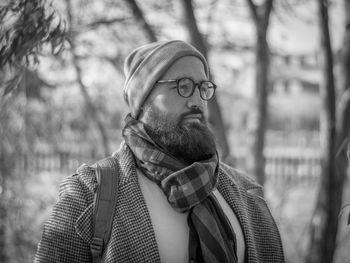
x=193, y=111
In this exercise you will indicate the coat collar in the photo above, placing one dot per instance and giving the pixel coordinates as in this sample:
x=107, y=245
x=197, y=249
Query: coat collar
x=127, y=164
x=241, y=193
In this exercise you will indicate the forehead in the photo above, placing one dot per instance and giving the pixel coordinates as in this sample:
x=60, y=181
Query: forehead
x=189, y=66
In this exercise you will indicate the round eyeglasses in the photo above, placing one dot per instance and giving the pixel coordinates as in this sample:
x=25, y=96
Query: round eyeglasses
x=185, y=87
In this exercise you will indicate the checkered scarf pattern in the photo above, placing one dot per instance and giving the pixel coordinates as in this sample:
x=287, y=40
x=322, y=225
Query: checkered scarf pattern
x=185, y=186
x=188, y=188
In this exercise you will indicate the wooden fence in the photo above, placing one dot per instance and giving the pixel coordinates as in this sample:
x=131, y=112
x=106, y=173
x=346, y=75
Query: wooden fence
x=288, y=165
x=62, y=162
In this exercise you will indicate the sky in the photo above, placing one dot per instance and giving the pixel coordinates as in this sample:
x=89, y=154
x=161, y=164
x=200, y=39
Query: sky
x=297, y=32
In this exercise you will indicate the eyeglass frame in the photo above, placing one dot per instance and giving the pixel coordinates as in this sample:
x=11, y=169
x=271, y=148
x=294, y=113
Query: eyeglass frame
x=195, y=84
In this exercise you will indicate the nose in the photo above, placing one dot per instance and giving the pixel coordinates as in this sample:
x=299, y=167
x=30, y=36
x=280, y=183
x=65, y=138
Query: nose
x=195, y=101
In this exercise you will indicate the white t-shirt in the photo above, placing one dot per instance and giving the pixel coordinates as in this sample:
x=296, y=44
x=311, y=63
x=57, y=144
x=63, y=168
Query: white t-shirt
x=170, y=227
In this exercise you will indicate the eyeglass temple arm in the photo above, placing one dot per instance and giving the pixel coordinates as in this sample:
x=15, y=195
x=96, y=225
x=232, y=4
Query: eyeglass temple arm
x=167, y=80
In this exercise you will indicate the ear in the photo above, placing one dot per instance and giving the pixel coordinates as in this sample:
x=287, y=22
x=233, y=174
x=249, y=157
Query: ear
x=144, y=113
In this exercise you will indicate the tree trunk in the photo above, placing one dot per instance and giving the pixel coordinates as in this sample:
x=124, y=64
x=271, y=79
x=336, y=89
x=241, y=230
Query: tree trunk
x=3, y=208
x=324, y=222
x=260, y=16
x=343, y=112
x=90, y=107
x=140, y=18
x=261, y=82
x=215, y=116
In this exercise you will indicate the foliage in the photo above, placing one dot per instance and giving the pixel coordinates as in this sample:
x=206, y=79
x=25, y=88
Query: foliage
x=26, y=26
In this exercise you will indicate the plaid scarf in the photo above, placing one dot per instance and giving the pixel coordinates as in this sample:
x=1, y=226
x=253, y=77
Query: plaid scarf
x=188, y=189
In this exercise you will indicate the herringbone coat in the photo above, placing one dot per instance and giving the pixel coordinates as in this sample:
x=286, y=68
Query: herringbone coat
x=68, y=232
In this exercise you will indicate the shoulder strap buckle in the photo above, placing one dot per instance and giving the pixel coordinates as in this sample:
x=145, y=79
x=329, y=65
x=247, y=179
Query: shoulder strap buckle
x=96, y=246
x=104, y=205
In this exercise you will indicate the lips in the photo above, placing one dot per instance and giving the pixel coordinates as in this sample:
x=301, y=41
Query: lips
x=193, y=117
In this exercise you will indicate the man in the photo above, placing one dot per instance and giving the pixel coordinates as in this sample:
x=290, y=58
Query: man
x=176, y=201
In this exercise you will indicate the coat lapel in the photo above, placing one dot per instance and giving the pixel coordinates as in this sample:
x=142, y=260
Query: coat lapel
x=132, y=223
x=259, y=229
x=237, y=197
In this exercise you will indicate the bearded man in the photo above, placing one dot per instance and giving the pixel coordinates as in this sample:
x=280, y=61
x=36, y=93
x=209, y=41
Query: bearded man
x=176, y=202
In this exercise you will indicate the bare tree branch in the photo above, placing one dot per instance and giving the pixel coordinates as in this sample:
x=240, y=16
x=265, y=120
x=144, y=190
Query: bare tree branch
x=116, y=62
x=253, y=11
x=261, y=14
x=140, y=18
x=106, y=22
x=191, y=24
x=267, y=8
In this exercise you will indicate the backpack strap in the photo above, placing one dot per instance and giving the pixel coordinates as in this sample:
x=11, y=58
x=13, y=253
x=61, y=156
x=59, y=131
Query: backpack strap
x=104, y=205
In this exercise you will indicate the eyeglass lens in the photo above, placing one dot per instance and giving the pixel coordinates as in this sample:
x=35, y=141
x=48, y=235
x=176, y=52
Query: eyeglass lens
x=186, y=87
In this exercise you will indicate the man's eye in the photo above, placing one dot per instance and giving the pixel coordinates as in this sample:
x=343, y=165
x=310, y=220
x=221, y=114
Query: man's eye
x=183, y=87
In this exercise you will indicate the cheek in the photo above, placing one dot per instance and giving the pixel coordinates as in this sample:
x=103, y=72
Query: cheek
x=205, y=108
x=166, y=103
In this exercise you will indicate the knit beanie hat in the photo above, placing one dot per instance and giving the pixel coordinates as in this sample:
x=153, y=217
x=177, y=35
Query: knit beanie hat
x=146, y=64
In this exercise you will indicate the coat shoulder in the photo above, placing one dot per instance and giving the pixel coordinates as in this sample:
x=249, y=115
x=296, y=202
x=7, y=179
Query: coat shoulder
x=241, y=179
x=60, y=240
x=85, y=175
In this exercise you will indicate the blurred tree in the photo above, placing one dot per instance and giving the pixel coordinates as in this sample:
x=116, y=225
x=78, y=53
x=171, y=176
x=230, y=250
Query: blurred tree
x=343, y=111
x=324, y=223
x=215, y=116
x=140, y=18
x=92, y=112
x=260, y=15
x=26, y=28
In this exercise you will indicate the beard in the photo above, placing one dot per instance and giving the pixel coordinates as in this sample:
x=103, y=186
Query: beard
x=191, y=142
